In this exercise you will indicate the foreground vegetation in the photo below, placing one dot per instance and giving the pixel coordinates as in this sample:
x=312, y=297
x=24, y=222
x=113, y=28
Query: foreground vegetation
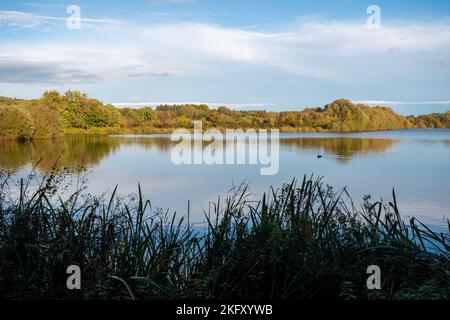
x=302, y=241
x=74, y=112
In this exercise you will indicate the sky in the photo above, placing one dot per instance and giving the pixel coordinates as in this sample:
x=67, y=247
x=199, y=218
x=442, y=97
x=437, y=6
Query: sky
x=247, y=54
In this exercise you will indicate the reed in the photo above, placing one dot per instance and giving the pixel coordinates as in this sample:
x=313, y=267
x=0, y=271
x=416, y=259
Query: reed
x=301, y=241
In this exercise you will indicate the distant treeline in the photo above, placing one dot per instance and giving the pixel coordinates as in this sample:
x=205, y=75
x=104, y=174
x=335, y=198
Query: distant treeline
x=55, y=113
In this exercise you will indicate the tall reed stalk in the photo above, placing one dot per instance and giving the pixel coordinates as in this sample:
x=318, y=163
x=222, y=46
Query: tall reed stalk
x=301, y=241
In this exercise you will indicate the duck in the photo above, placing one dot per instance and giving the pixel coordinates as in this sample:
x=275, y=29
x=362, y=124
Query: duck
x=319, y=156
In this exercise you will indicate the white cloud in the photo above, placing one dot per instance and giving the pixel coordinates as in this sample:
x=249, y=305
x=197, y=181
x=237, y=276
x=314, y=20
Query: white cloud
x=339, y=51
x=405, y=103
x=70, y=64
x=20, y=19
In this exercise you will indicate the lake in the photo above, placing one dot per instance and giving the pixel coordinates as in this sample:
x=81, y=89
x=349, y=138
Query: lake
x=414, y=162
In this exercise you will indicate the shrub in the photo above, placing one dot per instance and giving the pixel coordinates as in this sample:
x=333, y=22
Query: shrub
x=47, y=122
x=15, y=123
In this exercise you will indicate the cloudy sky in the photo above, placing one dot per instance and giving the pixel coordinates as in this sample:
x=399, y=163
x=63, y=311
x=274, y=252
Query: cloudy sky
x=277, y=55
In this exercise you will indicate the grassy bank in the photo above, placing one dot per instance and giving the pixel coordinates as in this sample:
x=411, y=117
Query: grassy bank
x=301, y=241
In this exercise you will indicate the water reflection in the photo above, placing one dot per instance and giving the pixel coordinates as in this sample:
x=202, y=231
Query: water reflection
x=79, y=151
x=159, y=143
x=342, y=148
x=415, y=163
x=72, y=152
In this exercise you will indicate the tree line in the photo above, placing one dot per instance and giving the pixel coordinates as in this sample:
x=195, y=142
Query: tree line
x=54, y=113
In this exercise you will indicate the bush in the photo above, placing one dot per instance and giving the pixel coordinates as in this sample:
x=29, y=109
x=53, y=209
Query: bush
x=15, y=123
x=47, y=122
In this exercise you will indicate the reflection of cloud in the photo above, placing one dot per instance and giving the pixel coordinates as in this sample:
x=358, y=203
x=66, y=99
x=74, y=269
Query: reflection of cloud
x=343, y=148
x=434, y=213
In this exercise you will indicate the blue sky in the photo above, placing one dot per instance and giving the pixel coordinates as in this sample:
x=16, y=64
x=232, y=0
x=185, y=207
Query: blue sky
x=277, y=55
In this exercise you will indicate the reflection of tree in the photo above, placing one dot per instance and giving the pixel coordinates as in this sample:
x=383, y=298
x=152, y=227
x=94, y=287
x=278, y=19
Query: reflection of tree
x=73, y=152
x=13, y=154
x=81, y=151
x=343, y=148
x=161, y=143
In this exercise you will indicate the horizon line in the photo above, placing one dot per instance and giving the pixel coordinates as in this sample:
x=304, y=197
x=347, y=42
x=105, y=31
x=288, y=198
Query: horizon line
x=237, y=106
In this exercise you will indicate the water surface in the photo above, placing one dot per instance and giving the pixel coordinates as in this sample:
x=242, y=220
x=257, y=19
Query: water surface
x=414, y=162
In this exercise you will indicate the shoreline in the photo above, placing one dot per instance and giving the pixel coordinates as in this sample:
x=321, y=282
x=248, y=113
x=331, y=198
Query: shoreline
x=145, y=131
x=167, y=132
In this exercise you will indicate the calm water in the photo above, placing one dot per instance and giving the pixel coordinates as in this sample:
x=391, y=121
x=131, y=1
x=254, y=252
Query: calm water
x=415, y=162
